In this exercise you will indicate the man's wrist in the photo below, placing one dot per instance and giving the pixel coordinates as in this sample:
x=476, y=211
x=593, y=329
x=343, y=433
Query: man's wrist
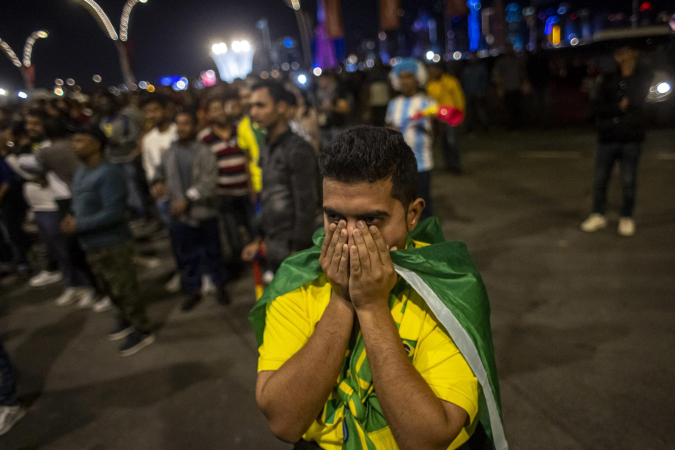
x=373, y=308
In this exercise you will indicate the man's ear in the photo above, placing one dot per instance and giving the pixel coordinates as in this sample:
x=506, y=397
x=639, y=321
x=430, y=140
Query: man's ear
x=282, y=108
x=414, y=211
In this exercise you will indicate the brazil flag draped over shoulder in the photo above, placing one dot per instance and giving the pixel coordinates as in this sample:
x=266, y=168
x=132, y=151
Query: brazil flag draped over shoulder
x=443, y=274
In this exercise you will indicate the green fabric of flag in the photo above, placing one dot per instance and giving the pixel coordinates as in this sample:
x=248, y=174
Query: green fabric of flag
x=443, y=274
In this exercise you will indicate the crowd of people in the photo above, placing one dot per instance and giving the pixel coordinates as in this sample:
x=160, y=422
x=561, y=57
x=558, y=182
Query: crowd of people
x=231, y=173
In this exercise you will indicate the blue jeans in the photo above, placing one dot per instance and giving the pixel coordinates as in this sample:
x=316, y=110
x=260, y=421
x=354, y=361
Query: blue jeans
x=201, y=253
x=7, y=381
x=424, y=191
x=628, y=155
x=65, y=249
x=450, y=148
x=236, y=212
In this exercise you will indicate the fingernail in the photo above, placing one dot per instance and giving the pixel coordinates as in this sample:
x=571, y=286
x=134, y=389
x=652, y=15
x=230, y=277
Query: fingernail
x=357, y=233
x=331, y=227
x=343, y=232
x=360, y=224
x=343, y=223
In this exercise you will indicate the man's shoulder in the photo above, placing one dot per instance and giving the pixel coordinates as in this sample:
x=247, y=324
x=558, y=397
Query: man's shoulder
x=316, y=291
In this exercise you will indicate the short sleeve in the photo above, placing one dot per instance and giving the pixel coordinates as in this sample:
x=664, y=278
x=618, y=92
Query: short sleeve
x=287, y=330
x=443, y=367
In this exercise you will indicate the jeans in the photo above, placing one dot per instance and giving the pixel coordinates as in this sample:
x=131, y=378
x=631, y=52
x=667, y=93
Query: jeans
x=201, y=253
x=12, y=219
x=628, y=155
x=424, y=192
x=449, y=147
x=236, y=212
x=164, y=210
x=65, y=249
x=7, y=381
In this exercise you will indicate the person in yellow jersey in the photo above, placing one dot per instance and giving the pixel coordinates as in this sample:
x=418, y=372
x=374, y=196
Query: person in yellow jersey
x=250, y=138
x=446, y=90
x=352, y=354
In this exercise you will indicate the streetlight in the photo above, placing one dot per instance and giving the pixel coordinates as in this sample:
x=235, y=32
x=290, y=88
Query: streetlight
x=98, y=13
x=27, y=71
x=235, y=61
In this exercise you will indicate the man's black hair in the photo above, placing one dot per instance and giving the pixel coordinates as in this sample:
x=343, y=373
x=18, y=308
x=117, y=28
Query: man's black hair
x=95, y=132
x=366, y=154
x=159, y=99
x=37, y=112
x=191, y=115
x=56, y=127
x=212, y=99
x=277, y=90
x=230, y=94
x=291, y=99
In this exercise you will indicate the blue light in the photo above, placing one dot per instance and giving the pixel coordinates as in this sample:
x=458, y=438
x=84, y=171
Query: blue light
x=22, y=94
x=474, y=24
x=169, y=80
x=288, y=43
x=549, y=24
x=562, y=10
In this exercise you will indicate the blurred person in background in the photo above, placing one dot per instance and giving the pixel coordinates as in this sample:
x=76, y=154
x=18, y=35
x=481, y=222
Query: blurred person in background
x=234, y=181
x=290, y=192
x=57, y=164
x=619, y=111
x=302, y=117
x=188, y=177
x=333, y=104
x=475, y=82
x=100, y=223
x=509, y=77
x=378, y=93
x=123, y=128
x=538, y=76
x=446, y=90
x=153, y=144
x=10, y=410
x=13, y=206
x=409, y=77
x=251, y=138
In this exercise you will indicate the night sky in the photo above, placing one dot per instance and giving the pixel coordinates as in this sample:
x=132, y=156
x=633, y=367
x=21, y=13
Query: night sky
x=169, y=37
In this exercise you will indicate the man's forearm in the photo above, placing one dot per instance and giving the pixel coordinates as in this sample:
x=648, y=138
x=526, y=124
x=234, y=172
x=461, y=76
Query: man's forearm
x=294, y=395
x=415, y=415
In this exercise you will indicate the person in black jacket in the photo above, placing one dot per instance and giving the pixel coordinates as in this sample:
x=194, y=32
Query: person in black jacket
x=290, y=180
x=620, y=117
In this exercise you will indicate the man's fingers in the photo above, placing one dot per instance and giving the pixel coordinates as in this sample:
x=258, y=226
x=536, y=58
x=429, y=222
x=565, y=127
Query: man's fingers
x=382, y=248
x=362, y=250
x=354, y=263
x=326, y=240
x=342, y=239
x=373, y=252
x=344, y=260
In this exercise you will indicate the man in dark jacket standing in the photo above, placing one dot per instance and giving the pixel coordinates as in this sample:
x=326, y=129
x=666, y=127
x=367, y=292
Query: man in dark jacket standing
x=290, y=180
x=621, y=127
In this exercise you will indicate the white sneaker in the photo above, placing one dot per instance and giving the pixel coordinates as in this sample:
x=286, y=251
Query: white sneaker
x=207, y=285
x=86, y=298
x=69, y=296
x=174, y=284
x=626, y=227
x=594, y=223
x=103, y=305
x=45, y=278
x=9, y=416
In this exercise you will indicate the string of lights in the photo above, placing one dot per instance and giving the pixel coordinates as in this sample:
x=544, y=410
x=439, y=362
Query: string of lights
x=95, y=8
x=30, y=42
x=126, y=14
x=10, y=53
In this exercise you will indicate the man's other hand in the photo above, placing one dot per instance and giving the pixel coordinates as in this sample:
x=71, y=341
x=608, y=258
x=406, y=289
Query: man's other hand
x=250, y=251
x=69, y=225
x=178, y=207
x=158, y=190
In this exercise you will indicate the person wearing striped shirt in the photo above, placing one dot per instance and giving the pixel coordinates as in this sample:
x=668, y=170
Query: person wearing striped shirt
x=234, y=178
x=417, y=133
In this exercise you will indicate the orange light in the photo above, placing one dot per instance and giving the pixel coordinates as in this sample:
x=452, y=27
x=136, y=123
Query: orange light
x=555, y=35
x=151, y=88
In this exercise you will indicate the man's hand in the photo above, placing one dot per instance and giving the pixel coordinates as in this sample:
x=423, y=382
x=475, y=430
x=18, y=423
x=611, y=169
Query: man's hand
x=334, y=258
x=250, y=251
x=158, y=190
x=178, y=207
x=69, y=225
x=372, y=274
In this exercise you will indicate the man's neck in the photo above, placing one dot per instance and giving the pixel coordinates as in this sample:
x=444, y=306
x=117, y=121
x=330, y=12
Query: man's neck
x=627, y=69
x=162, y=127
x=93, y=161
x=277, y=130
x=223, y=131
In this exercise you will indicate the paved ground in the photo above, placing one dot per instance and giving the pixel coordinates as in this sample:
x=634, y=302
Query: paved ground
x=582, y=323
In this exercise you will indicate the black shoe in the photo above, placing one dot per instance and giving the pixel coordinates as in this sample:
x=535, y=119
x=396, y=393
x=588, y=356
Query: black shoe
x=122, y=330
x=223, y=297
x=191, y=301
x=136, y=341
